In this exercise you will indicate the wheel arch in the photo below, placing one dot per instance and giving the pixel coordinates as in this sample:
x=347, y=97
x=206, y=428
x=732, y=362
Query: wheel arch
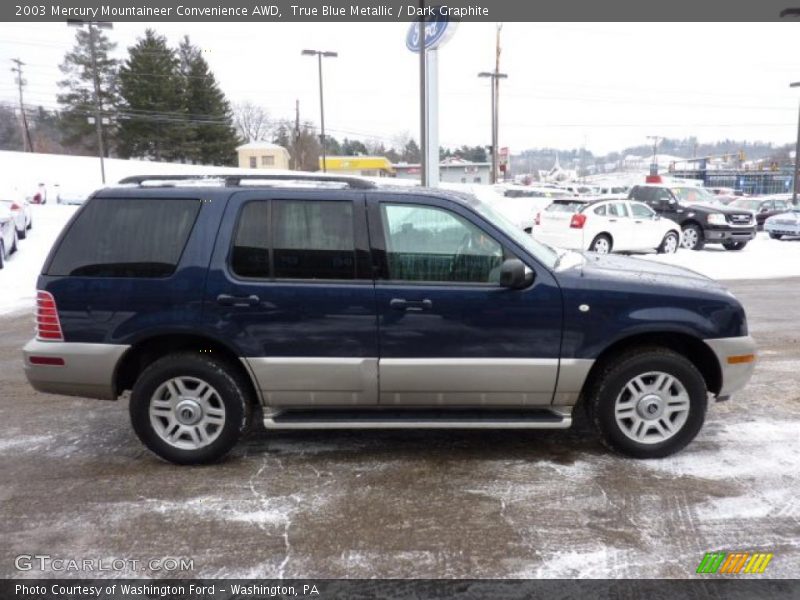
x=689, y=346
x=147, y=350
x=605, y=234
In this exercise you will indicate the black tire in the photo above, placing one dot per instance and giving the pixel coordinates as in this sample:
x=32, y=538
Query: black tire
x=693, y=238
x=610, y=383
x=30, y=225
x=14, y=245
x=22, y=233
x=776, y=236
x=662, y=249
x=233, y=392
x=601, y=239
x=734, y=245
x=2, y=255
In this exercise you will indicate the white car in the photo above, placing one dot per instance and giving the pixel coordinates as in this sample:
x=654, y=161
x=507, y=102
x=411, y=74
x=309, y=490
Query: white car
x=20, y=211
x=607, y=225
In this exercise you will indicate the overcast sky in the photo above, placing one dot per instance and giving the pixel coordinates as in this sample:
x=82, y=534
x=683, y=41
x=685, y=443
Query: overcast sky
x=604, y=86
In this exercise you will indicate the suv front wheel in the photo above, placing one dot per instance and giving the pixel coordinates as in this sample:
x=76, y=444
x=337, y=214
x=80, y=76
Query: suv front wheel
x=190, y=409
x=734, y=245
x=648, y=403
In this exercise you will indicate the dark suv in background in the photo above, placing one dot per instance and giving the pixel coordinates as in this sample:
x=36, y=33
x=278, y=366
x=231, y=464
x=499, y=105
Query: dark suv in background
x=333, y=303
x=702, y=219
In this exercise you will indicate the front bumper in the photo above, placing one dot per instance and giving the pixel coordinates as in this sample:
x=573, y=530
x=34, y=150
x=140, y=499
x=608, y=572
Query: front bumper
x=730, y=235
x=737, y=360
x=88, y=369
x=782, y=228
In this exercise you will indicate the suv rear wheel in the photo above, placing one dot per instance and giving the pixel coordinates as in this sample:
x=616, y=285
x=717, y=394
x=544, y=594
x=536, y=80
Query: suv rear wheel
x=648, y=403
x=692, y=238
x=190, y=409
x=776, y=236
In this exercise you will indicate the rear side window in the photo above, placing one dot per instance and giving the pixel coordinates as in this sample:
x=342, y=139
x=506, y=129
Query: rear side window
x=567, y=207
x=126, y=238
x=306, y=240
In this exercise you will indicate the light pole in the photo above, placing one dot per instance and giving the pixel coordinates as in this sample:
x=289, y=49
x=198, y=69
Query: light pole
x=654, y=164
x=495, y=76
x=320, y=54
x=98, y=105
x=796, y=172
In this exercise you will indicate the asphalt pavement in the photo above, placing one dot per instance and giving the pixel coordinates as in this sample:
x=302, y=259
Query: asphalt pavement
x=76, y=485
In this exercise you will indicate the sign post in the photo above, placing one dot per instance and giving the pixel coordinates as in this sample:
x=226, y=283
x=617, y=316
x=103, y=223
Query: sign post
x=436, y=31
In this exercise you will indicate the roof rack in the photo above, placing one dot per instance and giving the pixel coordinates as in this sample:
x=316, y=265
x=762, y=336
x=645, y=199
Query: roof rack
x=234, y=180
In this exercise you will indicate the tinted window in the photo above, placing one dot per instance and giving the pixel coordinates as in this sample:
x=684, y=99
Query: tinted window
x=781, y=204
x=642, y=194
x=250, y=256
x=600, y=210
x=126, y=238
x=430, y=244
x=617, y=209
x=313, y=240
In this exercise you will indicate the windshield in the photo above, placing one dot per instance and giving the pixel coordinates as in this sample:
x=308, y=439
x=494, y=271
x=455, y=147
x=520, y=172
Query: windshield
x=543, y=253
x=746, y=204
x=691, y=195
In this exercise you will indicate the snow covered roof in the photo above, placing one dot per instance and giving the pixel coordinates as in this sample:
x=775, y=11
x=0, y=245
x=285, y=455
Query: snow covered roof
x=260, y=146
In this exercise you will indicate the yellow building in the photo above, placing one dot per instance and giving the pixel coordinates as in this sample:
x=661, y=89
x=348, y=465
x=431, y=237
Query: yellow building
x=368, y=166
x=263, y=155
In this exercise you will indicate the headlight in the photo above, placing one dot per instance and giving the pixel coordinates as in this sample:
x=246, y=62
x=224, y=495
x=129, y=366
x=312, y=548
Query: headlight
x=716, y=219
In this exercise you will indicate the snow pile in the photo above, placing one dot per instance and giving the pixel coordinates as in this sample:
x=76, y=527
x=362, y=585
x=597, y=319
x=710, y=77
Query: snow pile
x=762, y=258
x=18, y=278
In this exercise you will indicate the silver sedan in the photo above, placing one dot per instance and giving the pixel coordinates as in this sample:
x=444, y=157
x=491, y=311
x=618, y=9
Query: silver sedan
x=783, y=225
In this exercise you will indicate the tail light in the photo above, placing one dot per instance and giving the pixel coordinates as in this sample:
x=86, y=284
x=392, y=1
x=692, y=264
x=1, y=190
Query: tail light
x=538, y=219
x=578, y=221
x=15, y=206
x=48, y=327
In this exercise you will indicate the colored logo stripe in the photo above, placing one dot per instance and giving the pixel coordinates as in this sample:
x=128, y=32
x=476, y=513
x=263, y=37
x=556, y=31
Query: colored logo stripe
x=732, y=563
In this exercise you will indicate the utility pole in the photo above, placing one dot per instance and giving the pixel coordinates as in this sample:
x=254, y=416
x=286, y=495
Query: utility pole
x=495, y=76
x=320, y=54
x=796, y=171
x=27, y=144
x=98, y=104
x=297, y=157
x=424, y=167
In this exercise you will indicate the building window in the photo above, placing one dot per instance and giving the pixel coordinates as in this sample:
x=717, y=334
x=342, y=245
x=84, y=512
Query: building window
x=267, y=161
x=477, y=180
x=253, y=162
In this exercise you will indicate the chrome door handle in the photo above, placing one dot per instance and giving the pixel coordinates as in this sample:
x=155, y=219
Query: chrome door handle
x=412, y=305
x=228, y=300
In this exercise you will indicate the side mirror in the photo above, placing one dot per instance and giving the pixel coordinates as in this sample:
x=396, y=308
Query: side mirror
x=515, y=275
x=763, y=209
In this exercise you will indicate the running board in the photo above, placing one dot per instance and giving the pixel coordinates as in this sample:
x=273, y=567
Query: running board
x=417, y=419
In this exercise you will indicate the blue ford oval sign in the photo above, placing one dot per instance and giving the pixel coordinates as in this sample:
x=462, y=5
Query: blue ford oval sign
x=437, y=31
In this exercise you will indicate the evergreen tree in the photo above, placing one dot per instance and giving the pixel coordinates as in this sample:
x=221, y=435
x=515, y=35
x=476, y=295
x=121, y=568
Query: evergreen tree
x=10, y=136
x=153, y=122
x=210, y=135
x=77, y=92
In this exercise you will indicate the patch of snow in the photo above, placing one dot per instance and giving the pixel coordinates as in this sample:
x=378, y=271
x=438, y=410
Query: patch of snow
x=25, y=443
x=762, y=258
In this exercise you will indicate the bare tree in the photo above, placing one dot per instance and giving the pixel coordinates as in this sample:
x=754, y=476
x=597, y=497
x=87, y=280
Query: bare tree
x=252, y=122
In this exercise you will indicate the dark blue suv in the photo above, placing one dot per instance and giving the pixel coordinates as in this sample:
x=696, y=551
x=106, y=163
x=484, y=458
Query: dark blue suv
x=332, y=303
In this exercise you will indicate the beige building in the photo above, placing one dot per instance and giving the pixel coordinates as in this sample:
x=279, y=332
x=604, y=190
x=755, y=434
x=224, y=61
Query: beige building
x=263, y=155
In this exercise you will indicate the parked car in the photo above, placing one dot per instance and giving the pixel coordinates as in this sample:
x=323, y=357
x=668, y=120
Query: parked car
x=762, y=208
x=72, y=195
x=700, y=221
x=40, y=195
x=21, y=212
x=521, y=210
x=8, y=233
x=368, y=307
x=786, y=224
x=604, y=226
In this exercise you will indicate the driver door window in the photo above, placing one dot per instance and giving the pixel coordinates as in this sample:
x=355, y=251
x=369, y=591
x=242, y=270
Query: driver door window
x=428, y=244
